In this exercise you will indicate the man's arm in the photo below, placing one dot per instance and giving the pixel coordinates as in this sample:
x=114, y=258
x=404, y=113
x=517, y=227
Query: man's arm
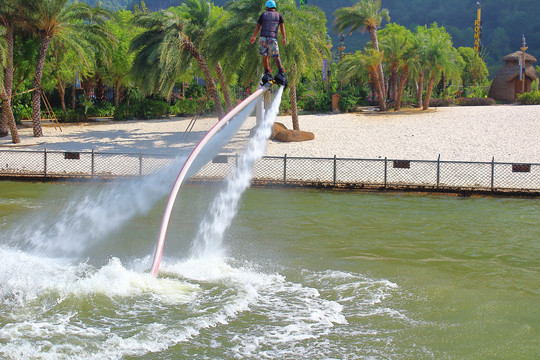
x=254, y=37
x=282, y=28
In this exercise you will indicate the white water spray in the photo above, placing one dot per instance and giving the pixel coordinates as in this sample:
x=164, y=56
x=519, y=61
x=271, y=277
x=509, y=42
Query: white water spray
x=208, y=241
x=90, y=216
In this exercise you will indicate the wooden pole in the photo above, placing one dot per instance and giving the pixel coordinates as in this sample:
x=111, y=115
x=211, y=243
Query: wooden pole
x=523, y=73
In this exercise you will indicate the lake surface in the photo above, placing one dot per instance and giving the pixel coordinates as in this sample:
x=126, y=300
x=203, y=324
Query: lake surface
x=301, y=274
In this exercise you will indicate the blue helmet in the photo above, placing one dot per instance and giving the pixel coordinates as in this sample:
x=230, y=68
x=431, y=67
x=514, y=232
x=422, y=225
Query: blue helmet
x=270, y=4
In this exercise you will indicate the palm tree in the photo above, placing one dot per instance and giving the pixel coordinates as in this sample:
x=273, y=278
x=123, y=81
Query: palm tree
x=74, y=50
x=50, y=19
x=203, y=16
x=395, y=44
x=361, y=66
x=118, y=71
x=438, y=57
x=365, y=15
x=306, y=40
x=306, y=30
x=9, y=19
x=240, y=55
x=162, y=48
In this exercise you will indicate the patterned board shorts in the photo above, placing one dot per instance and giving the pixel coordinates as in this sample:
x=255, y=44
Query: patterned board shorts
x=268, y=47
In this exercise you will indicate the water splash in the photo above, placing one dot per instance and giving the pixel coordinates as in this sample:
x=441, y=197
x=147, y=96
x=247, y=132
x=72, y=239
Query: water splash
x=90, y=216
x=208, y=241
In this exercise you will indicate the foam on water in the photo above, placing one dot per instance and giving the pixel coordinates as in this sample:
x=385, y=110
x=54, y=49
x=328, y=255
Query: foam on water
x=55, y=309
x=64, y=308
x=208, y=241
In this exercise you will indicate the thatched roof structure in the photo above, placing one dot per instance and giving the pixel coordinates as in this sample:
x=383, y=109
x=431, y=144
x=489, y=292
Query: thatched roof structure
x=506, y=84
x=516, y=56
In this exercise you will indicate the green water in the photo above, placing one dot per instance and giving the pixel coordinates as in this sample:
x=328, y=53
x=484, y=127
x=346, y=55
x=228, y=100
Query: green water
x=308, y=274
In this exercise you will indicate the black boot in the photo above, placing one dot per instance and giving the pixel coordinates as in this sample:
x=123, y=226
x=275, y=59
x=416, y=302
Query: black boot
x=267, y=77
x=281, y=79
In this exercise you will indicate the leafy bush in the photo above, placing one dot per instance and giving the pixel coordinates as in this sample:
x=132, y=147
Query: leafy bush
x=285, y=106
x=475, y=101
x=443, y=102
x=476, y=91
x=151, y=109
x=105, y=109
x=350, y=100
x=71, y=116
x=22, y=112
x=195, y=91
x=316, y=101
x=529, y=98
x=124, y=112
x=190, y=106
x=146, y=109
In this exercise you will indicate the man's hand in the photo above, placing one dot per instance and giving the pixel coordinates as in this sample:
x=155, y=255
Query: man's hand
x=253, y=38
x=284, y=41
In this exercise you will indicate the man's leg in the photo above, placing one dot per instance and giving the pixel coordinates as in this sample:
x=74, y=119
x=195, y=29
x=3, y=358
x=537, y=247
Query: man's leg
x=266, y=63
x=278, y=62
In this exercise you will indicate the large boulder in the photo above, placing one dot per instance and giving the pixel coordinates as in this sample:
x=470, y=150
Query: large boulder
x=281, y=133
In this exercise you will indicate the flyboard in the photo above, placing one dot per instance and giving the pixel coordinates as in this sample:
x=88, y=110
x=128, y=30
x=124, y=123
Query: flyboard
x=256, y=96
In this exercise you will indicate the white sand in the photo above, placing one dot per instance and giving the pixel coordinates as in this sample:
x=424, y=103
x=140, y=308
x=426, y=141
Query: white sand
x=508, y=133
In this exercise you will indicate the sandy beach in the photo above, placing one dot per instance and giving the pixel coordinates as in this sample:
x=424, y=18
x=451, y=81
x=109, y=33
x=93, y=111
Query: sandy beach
x=506, y=132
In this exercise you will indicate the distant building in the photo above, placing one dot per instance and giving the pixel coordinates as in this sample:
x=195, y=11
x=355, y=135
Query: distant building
x=507, y=86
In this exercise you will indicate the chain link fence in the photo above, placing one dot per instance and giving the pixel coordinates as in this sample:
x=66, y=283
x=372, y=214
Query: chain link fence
x=336, y=172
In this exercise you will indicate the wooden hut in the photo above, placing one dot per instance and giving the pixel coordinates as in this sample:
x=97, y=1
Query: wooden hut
x=506, y=86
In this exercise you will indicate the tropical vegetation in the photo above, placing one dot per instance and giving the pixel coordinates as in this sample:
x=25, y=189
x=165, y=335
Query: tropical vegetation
x=159, y=59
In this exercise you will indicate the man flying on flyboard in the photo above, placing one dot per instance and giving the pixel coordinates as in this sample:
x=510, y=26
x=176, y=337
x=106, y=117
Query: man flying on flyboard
x=269, y=22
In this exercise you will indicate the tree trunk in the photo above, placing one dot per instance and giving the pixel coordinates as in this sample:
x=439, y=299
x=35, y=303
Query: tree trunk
x=378, y=89
x=100, y=90
x=8, y=83
x=379, y=73
x=117, y=93
x=419, y=89
x=73, y=94
x=210, y=84
x=36, y=94
x=4, y=122
x=62, y=95
x=10, y=119
x=402, y=82
x=294, y=108
x=428, y=92
x=224, y=87
x=394, y=83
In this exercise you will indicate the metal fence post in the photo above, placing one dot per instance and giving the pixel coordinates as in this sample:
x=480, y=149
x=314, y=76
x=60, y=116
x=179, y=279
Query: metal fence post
x=92, y=165
x=140, y=163
x=44, y=162
x=285, y=169
x=438, y=170
x=492, y=173
x=385, y=171
x=335, y=170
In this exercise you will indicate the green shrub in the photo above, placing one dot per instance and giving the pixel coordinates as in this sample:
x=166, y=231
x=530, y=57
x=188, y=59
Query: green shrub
x=316, y=101
x=22, y=112
x=188, y=106
x=349, y=101
x=443, y=102
x=529, y=98
x=195, y=91
x=71, y=116
x=125, y=112
x=145, y=109
x=105, y=109
x=475, y=101
x=285, y=106
x=151, y=109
